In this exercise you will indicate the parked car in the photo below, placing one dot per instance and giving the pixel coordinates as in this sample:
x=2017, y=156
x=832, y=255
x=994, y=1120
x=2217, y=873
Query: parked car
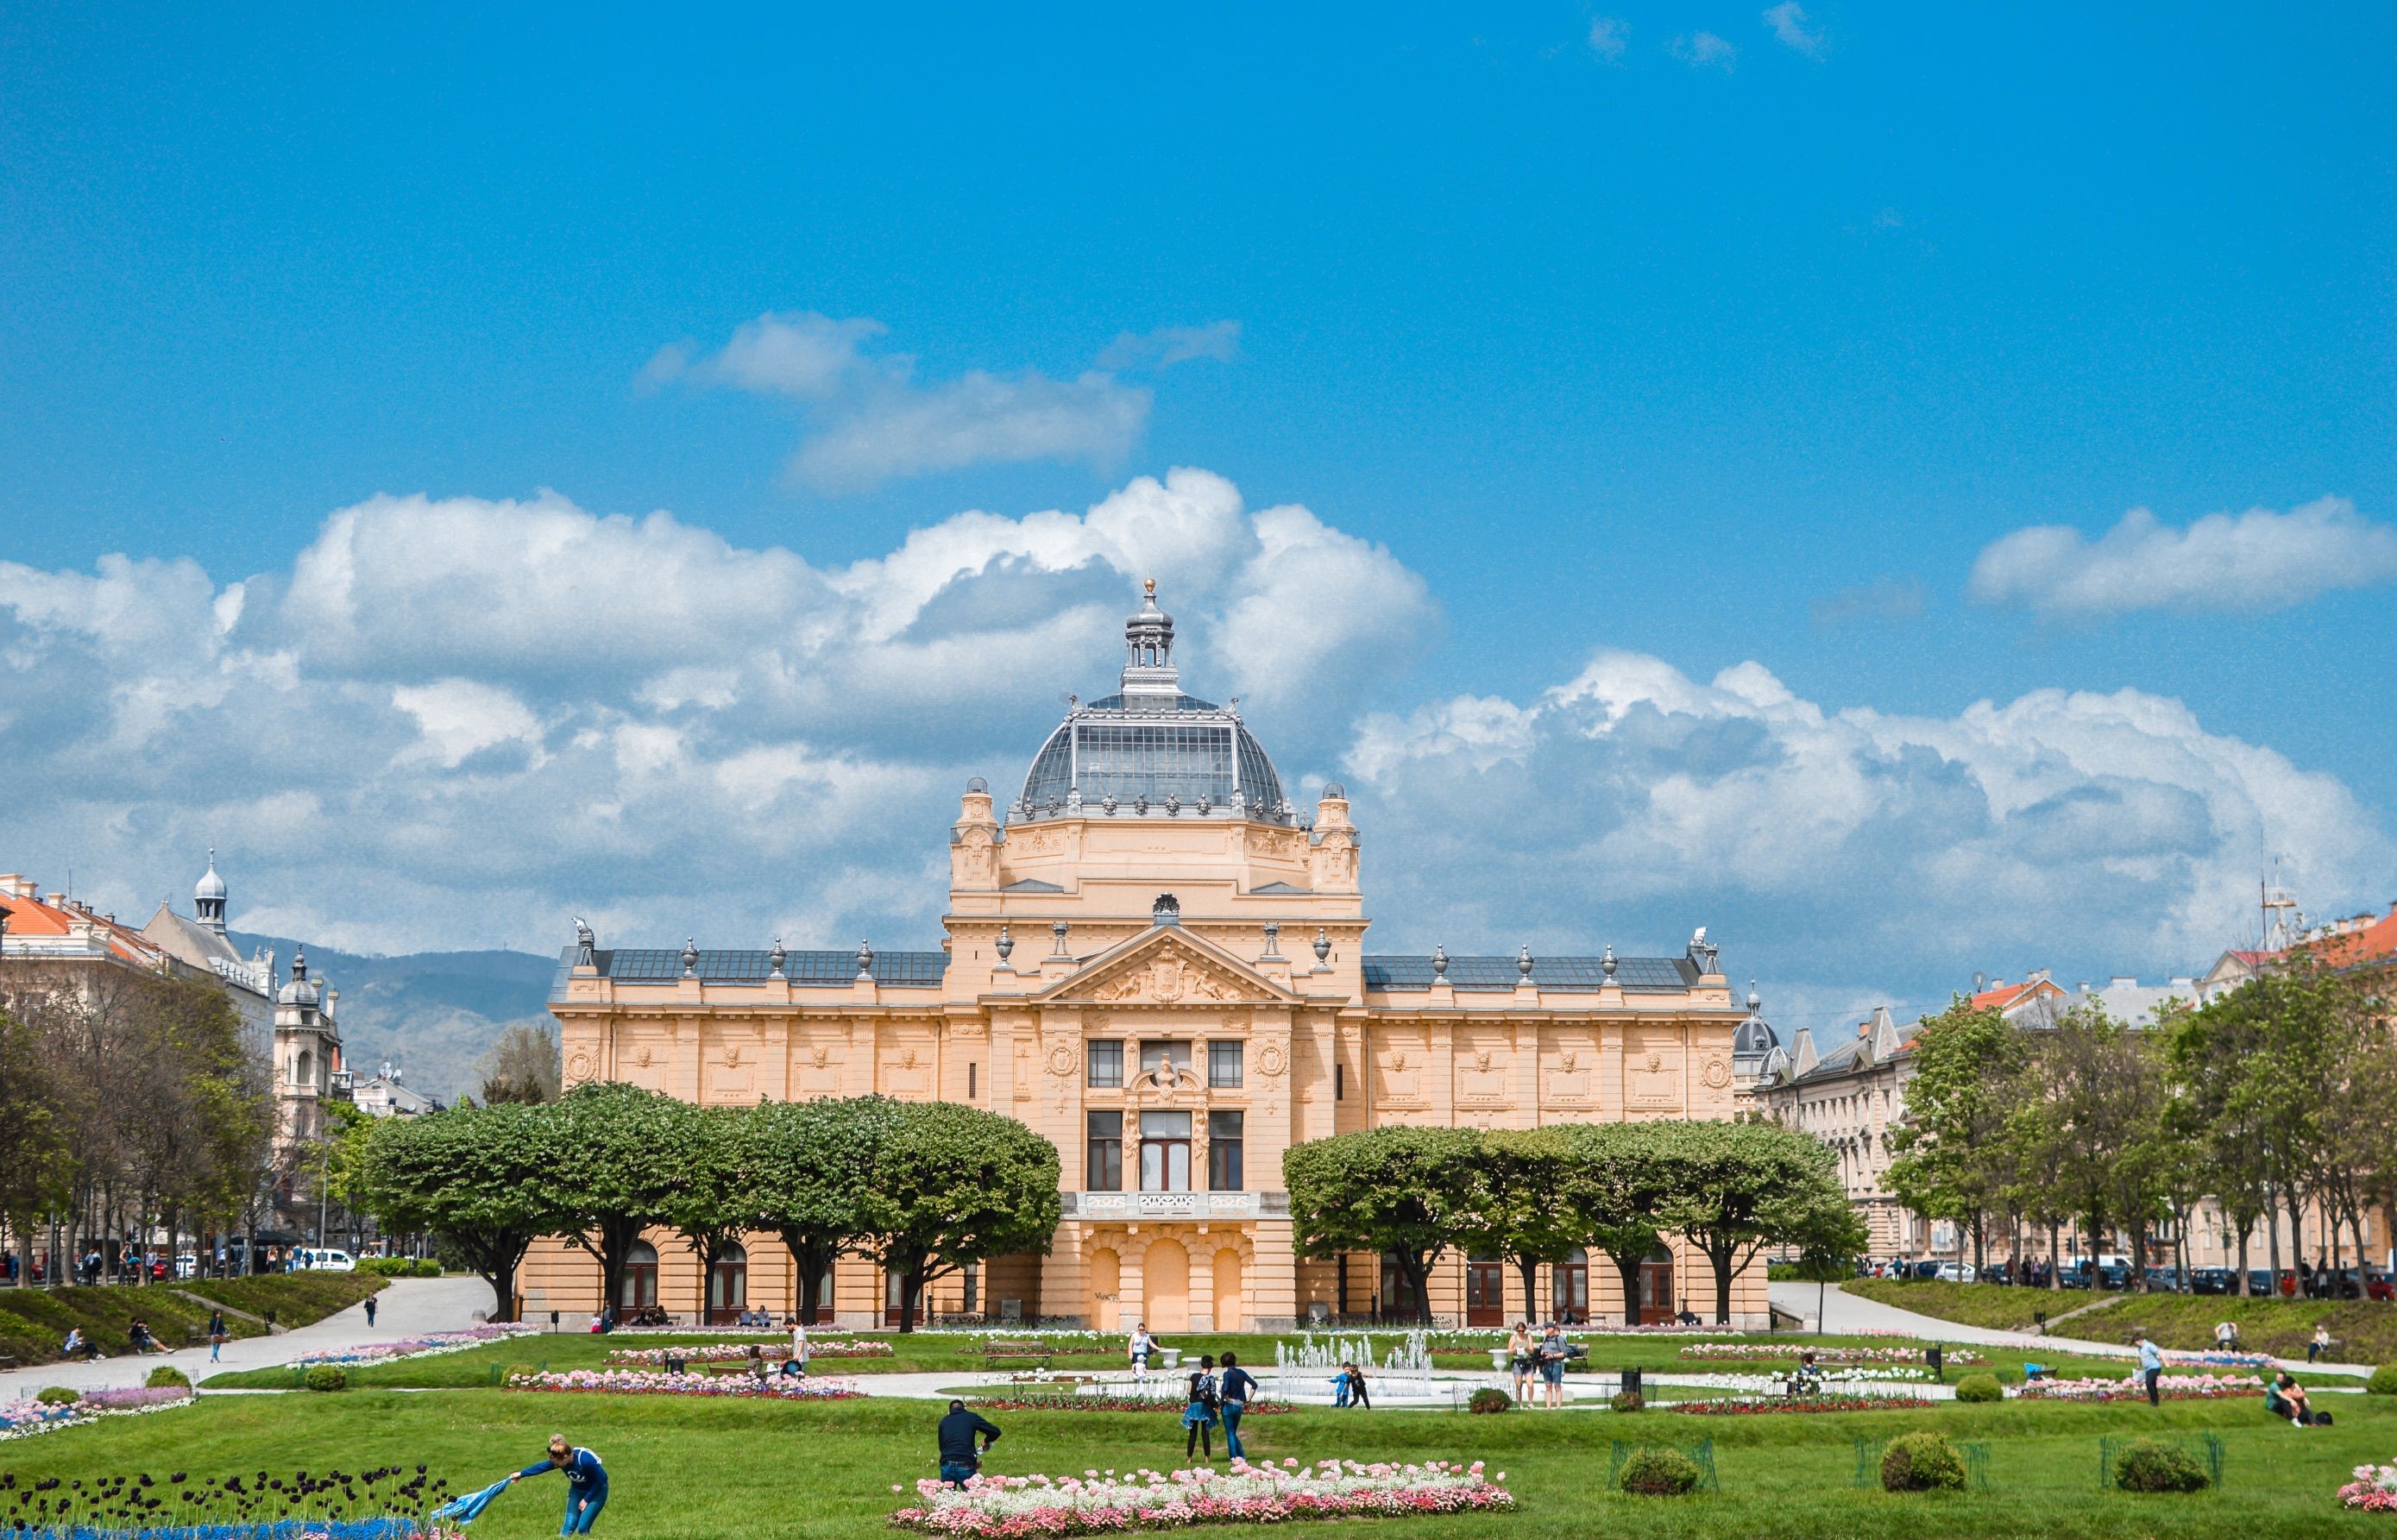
x=2164, y=1280
x=1957, y=1272
x=2377, y=1284
x=322, y=1259
x=2213, y=1281
x=1999, y=1272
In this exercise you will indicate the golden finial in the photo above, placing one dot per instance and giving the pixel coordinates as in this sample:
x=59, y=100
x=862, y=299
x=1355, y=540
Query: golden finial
x=1149, y=588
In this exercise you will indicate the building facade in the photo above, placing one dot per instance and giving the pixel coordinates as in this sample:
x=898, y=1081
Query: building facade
x=1190, y=995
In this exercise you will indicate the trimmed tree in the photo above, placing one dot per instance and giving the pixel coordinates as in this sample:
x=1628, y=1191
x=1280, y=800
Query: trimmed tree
x=1406, y=1193
x=1517, y=1213
x=1951, y=1150
x=620, y=1164
x=1617, y=1181
x=716, y=1200
x=949, y=1184
x=1734, y=1189
x=805, y=1160
x=472, y=1175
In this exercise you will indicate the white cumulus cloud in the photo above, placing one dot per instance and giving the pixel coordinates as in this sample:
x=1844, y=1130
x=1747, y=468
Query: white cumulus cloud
x=1704, y=50
x=2259, y=561
x=1608, y=37
x=1788, y=22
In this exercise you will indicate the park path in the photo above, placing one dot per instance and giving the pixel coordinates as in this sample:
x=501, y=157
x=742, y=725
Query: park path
x=1843, y=1312
x=409, y=1308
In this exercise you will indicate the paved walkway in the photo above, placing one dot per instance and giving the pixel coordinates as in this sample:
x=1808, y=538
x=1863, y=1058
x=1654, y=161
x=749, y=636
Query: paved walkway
x=409, y=1308
x=1846, y=1312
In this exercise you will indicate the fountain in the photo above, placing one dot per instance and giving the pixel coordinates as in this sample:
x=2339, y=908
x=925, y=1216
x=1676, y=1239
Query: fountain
x=1404, y=1371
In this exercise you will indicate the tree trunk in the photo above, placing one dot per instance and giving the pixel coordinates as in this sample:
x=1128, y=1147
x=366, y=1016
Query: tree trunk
x=2243, y=1227
x=911, y=1288
x=2054, y=1273
x=1628, y=1268
x=1530, y=1267
x=1721, y=1260
x=1418, y=1271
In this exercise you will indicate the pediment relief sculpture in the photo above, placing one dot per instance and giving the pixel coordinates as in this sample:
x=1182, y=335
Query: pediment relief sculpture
x=1170, y=978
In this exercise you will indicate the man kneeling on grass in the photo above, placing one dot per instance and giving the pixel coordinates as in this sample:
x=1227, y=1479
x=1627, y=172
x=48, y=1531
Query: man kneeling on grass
x=959, y=1430
x=586, y=1483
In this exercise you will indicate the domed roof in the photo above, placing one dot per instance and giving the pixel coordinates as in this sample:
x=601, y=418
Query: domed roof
x=1754, y=1038
x=1151, y=751
x=210, y=888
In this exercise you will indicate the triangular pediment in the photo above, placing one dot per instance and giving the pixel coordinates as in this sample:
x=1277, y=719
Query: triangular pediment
x=1167, y=965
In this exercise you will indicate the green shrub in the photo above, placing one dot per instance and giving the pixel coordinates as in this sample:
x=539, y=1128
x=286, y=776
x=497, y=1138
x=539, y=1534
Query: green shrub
x=1630, y=1400
x=1782, y=1272
x=426, y=1267
x=1979, y=1388
x=2151, y=1465
x=1921, y=1461
x=1659, y=1473
x=326, y=1376
x=2383, y=1381
x=517, y=1372
x=1487, y=1401
x=167, y=1374
x=59, y=1394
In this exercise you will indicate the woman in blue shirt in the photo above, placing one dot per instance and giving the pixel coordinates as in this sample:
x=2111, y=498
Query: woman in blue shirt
x=586, y=1483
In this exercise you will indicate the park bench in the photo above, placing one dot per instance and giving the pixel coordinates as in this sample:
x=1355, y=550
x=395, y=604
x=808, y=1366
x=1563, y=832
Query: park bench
x=1007, y=1348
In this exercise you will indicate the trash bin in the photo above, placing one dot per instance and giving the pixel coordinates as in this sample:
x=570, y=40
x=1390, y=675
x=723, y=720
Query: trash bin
x=1932, y=1356
x=1631, y=1382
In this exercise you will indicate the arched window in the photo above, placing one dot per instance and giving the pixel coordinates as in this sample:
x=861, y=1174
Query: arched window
x=1569, y=1289
x=728, y=1285
x=640, y=1286
x=1656, y=1287
x=303, y=1069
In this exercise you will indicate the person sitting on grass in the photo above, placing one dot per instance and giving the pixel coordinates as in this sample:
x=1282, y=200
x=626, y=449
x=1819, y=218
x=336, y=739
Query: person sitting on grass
x=586, y=1483
x=139, y=1334
x=755, y=1364
x=2283, y=1397
x=959, y=1458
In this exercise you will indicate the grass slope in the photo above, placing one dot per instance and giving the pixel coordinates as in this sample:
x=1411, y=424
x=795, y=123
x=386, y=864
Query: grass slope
x=708, y=1470
x=33, y=1323
x=2362, y=1331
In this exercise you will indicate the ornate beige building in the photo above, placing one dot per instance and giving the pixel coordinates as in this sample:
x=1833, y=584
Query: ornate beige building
x=1158, y=962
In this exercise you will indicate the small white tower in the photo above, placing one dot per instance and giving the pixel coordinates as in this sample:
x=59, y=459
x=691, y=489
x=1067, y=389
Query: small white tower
x=208, y=897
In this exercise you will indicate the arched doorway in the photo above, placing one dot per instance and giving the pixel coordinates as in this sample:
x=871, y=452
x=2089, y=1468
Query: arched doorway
x=1231, y=1304
x=1485, y=1291
x=1656, y=1287
x=1106, y=1289
x=728, y=1285
x=1569, y=1288
x=1165, y=1287
x=640, y=1289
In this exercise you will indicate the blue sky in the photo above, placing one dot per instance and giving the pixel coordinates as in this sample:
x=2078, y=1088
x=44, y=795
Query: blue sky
x=1705, y=337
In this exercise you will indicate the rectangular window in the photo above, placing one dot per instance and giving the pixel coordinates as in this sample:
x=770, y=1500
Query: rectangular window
x=1165, y=1152
x=1223, y=1140
x=1105, y=1172
x=1223, y=1065
x=1104, y=1056
x=971, y=1276
x=1157, y=1055
x=1339, y=1082
x=971, y=1073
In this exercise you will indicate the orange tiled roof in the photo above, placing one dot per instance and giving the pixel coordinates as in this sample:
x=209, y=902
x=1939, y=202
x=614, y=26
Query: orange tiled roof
x=2376, y=941
x=34, y=918
x=2006, y=995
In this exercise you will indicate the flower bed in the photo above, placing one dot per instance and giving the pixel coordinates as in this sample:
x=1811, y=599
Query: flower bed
x=382, y=1504
x=1756, y=1406
x=1824, y=1355
x=2373, y=1491
x=416, y=1347
x=1095, y=1503
x=22, y=1419
x=647, y=1382
x=2223, y=1360
x=735, y=1352
x=1066, y=1401
x=2173, y=1388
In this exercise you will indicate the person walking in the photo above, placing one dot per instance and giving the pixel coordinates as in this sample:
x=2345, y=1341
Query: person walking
x=216, y=1334
x=2151, y=1369
x=1357, y=1393
x=1238, y=1385
x=1199, y=1416
x=1552, y=1366
x=2319, y=1346
x=959, y=1433
x=586, y=1483
x=1143, y=1344
x=370, y=1312
x=1521, y=1356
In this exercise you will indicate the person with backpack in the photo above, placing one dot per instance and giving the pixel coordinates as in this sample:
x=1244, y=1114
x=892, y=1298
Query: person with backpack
x=1198, y=1417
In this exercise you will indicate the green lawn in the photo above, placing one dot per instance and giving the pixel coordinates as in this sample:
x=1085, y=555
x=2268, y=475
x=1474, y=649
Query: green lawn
x=713, y=1469
x=2363, y=1330
x=33, y=1323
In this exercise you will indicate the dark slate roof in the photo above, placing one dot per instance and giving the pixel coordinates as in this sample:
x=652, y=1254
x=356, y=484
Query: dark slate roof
x=663, y=965
x=1638, y=975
